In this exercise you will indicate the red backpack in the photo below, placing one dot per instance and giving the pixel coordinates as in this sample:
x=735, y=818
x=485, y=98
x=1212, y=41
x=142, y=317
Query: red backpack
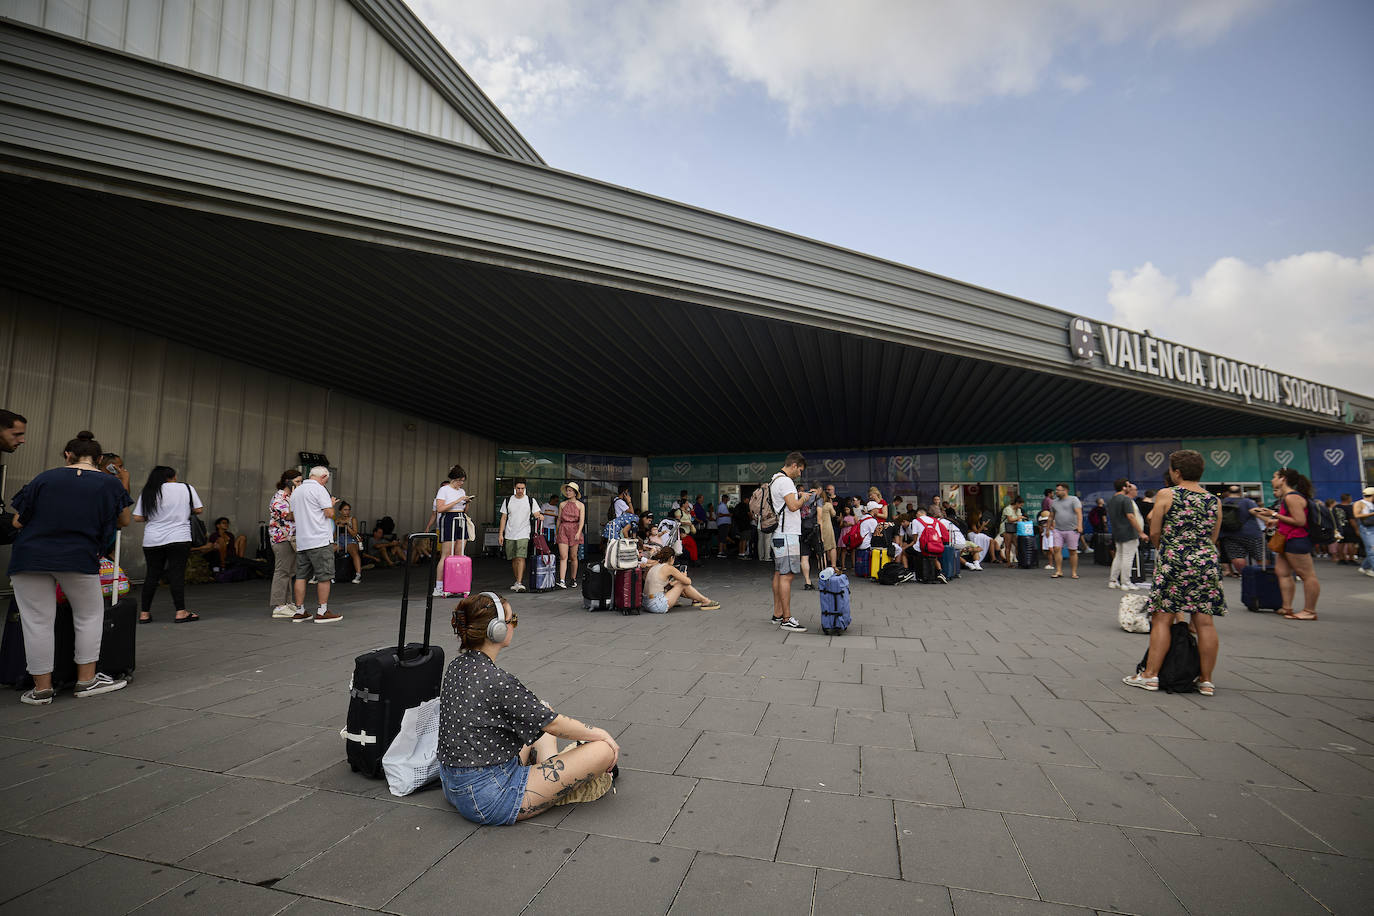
x=934, y=537
x=853, y=537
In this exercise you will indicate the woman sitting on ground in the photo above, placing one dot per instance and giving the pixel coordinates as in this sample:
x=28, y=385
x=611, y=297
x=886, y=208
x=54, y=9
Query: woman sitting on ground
x=223, y=544
x=664, y=584
x=347, y=539
x=498, y=760
x=386, y=546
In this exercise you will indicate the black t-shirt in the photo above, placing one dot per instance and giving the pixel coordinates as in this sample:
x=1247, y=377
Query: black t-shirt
x=485, y=714
x=69, y=519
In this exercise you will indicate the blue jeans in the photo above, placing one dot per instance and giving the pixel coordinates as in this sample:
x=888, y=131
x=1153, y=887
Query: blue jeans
x=1366, y=535
x=486, y=795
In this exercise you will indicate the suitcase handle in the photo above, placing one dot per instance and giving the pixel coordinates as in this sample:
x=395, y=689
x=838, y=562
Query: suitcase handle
x=405, y=586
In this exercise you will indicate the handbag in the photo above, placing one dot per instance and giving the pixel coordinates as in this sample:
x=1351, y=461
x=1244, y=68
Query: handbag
x=412, y=760
x=199, y=536
x=1277, y=542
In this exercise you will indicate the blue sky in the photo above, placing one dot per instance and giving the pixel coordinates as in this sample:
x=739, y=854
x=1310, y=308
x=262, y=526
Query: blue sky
x=1197, y=168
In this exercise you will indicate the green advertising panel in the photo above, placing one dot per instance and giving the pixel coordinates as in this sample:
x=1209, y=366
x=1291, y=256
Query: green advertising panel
x=1227, y=459
x=521, y=463
x=1047, y=461
x=975, y=465
x=661, y=496
x=1281, y=452
x=683, y=467
x=749, y=468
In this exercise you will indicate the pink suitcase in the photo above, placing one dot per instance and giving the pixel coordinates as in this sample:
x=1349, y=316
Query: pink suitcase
x=458, y=575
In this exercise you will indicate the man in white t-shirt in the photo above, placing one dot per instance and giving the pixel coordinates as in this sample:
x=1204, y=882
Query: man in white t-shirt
x=1364, y=527
x=786, y=538
x=520, y=512
x=313, y=510
x=868, y=524
x=622, y=501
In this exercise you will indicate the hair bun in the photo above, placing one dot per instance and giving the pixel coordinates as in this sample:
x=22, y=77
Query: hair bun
x=86, y=436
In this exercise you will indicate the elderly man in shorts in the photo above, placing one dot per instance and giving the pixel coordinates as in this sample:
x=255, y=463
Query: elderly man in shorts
x=786, y=538
x=1066, y=527
x=313, y=511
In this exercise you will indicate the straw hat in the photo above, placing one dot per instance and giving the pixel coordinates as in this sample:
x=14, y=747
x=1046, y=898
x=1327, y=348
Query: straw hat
x=570, y=485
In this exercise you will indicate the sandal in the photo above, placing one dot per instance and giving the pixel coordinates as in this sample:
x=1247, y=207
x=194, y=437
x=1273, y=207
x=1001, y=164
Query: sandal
x=1206, y=688
x=1309, y=615
x=710, y=606
x=191, y=617
x=148, y=619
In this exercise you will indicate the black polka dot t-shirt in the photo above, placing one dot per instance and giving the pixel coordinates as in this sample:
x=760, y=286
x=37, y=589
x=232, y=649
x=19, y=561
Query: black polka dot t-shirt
x=485, y=714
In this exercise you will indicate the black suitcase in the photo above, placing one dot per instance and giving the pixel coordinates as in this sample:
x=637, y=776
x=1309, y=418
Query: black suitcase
x=118, y=640
x=14, y=670
x=1259, y=587
x=597, y=588
x=388, y=681
x=1102, y=548
x=1027, y=554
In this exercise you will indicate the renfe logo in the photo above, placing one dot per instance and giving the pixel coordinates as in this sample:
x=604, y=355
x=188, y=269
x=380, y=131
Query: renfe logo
x=1045, y=460
x=1221, y=458
x=1154, y=459
x=834, y=466
x=977, y=462
x=1099, y=459
x=1284, y=457
x=1334, y=456
x=682, y=467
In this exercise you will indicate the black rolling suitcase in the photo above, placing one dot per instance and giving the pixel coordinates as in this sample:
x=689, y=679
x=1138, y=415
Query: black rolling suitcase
x=118, y=639
x=597, y=588
x=390, y=680
x=1259, y=587
x=1027, y=552
x=1102, y=548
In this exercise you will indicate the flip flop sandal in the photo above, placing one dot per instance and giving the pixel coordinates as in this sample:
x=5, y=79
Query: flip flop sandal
x=710, y=606
x=148, y=619
x=189, y=618
x=1291, y=616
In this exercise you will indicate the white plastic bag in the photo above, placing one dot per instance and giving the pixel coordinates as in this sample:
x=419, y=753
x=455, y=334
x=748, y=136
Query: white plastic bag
x=412, y=760
x=1132, y=615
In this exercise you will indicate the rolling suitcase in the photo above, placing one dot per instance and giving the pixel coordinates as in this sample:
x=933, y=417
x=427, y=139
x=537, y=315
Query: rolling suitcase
x=542, y=567
x=13, y=661
x=1259, y=588
x=834, y=595
x=117, y=640
x=388, y=681
x=1102, y=548
x=629, y=591
x=596, y=588
x=863, y=563
x=1026, y=552
x=877, y=557
x=457, y=574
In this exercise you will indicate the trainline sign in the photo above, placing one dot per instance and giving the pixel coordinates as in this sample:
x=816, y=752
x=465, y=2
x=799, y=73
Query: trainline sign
x=1124, y=350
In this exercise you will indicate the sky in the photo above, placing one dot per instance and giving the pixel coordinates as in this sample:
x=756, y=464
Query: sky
x=1198, y=169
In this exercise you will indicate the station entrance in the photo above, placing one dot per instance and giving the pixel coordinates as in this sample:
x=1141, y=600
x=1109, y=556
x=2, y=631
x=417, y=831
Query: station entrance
x=981, y=500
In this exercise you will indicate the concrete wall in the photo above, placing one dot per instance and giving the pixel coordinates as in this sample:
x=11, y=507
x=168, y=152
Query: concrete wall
x=227, y=427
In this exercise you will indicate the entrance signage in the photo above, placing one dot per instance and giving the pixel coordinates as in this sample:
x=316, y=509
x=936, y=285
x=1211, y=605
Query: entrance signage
x=1120, y=349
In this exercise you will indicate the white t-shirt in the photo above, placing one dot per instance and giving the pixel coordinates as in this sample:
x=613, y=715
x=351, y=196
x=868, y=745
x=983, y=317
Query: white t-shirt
x=172, y=523
x=518, y=516
x=1368, y=505
x=550, y=513
x=621, y=507
x=867, y=525
x=308, y=502
x=448, y=494
x=789, y=520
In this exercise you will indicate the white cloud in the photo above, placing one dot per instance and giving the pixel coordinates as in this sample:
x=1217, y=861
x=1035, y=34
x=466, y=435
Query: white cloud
x=1309, y=315
x=805, y=54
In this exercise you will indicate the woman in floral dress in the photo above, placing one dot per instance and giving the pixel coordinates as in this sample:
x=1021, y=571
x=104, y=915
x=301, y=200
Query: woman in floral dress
x=1184, y=526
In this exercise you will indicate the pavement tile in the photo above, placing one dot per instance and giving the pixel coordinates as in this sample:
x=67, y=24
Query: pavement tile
x=655, y=747
x=1133, y=753
x=870, y=727
x=1106, y=871
x=843, y=894
x=218, y=896
x=1077, y=688
x=177, y=832
x=218, y=691
x=1342, y=884
x=1344, y=822
x=658, y=709
x=91, y=818
x=1014, y=685
x=1059, y=713
x=1037, y=744
x=1225, y=809
x=37, y=723
x=722, y=884
x=786, y=690
x=815, y=765
x=1235, y=878
x=841, y=832
x=325, y=709
x=777, y=667
x=989, y=663
x=722, y=755
x=295, y=761
x=1220, y=725
x=39, y=760
x=813, y=723
x=99, y=735
x=731, y=819
x=955, y=683
x=850, y=696
x=960, y=847
x=835, y=672
x=723, y=714
x=1040, y=667
x=1006, y=785
x=972, y=903
x=642, y=807
x=514, y=864
x=276, y=697
x=1224, y=760
x=28, y=863
x=917, y=701
x=1141, y=719
x=380, y=860
x=716, y=684
x=668, y=680
x=953, y=736
x=124, y=884
x=69, y=784
x=597, y=703
x=1323, y=771
x=620, y=876
x=1106, y=797
x=188, y=736
x=887, y=676
x=907, y=775
x=1289, y=704
x=988, y=707
x=261, y=739
x=1308, y=733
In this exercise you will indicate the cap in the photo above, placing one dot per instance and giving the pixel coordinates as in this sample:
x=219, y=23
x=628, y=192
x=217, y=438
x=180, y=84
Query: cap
x=872, y=505
x=1369, y=491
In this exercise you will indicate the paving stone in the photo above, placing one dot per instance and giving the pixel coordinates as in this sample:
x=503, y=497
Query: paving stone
x=1220, y=725
x=787, y=691
x=36, y=723
x=642, y=808
x=612, y=876
x=777, y=668
x=1225, y=809
x=1128, y=752
x=1344, y=822
x=69, y=784
x=877, y=729
x=841, y=832
x=723, y=714
x=1323, y=771
x=972, y=903
x=721, y=884
x=835, y=672
x=813, y=723
x=212, y=694
x=907, y=775
x=955, y=683
x=1107, y=874
x=514, y=862
x=1237, y=876
x=722, y=755
x=295, y=761
x=123, y=884
x=1114, y=798
x=178, y=832
x=917, y=701
x=1308, y=733
x=598, y=703
x=85, y=821
x=890, y=676
x=323, y=710
x=1342, y=884
x=28, y=863
x=843, y=894
x=1037, y=744
x=1006, y=785
x=850, y=696
x=99, y=735
x=217, y=896
x=668, y=680
x=715, y=684
x=988, y=663
x=261, y=739
x=1061, y=713
x=190, y=736
x=1076, y=688
x=655, y=747
x=658, y=709
x=814, y=765
x=960, y=847
x=1224, y=760
x=953, y=736
x=1143, y=720
x=987, y=707
x=380, y=860
x=732, y=819
x=1014, y=685
x=40, y=760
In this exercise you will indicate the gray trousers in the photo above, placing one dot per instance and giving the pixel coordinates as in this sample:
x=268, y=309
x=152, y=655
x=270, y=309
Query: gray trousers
x=1123, y=561
x=282, y=573
x=36, y=593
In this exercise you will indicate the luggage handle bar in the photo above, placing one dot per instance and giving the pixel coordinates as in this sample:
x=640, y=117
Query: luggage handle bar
x=405, y=589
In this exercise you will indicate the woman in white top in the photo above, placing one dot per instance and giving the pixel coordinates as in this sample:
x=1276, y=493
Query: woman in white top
x=166, y=506
x=451, y=504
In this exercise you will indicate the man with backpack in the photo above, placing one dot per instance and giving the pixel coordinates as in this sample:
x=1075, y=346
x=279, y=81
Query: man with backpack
x=1242, y=534
x=778, y=515
x=519, y=512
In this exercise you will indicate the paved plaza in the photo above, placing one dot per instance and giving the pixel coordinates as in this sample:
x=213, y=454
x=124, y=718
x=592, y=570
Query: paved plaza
x=966, y=749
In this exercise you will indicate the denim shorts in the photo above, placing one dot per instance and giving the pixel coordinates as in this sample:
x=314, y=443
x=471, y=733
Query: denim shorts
x=1298, y=545
x=656, y=604
x=486, y=795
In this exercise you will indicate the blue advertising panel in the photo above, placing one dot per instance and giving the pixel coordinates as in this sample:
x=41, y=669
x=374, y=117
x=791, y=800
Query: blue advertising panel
x=1100, y=461
x=1334, y=458
x=1146, y=462
x=921, y=466
x=843, y=469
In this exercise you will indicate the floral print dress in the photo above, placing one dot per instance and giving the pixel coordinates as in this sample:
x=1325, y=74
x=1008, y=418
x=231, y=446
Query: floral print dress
x=1186, y=575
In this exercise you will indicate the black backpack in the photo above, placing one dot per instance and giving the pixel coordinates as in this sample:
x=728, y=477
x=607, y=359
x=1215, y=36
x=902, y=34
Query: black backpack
x=1182, y=665
x=1231, y=520
x=1321, y=524
x=889, y=573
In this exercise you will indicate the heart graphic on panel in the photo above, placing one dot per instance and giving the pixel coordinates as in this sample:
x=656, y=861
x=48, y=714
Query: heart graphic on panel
x=580, y=466
x=1154, y=459
x=977, y=462
x=1099, y=459
x=682, y=467
x=835, y=466
x=1045, y=460
x=1221, y=458
x=1334, y=456
x=529, y=463
x=1283, y=456
x=757, y=468
x=904, y=463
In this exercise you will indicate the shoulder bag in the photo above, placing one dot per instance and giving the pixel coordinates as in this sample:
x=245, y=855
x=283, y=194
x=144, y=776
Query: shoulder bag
x=199, y=536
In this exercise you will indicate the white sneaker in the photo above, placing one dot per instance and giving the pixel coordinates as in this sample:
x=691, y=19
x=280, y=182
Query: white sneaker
x=562, y=584
x=1049, y=566
x=283, y=612
x=517, y=587
x=1366, y=572
x=101, y=683
x=791, y=623
x=1111, y=584
x=439, y=592
x=358, y=578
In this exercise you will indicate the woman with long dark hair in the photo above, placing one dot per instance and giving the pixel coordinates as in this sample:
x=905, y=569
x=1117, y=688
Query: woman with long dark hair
x=1294, y=557
x=281, y=529
x=166, y=506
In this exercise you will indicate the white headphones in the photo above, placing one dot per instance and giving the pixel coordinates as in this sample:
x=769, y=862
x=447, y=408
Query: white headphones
x=497, y=629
